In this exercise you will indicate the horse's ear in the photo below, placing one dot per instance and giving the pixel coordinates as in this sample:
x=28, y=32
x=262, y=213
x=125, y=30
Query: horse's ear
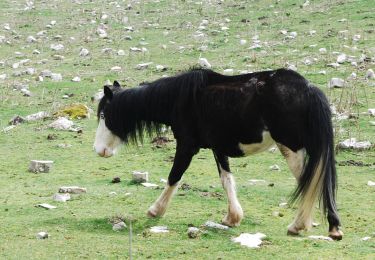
x=116, y=84
x=108, y=92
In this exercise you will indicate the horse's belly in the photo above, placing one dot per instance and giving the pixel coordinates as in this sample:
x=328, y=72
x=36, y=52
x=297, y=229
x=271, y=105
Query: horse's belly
x=253, y=148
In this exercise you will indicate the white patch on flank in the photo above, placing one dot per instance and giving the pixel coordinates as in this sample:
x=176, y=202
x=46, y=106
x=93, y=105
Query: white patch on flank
x=106, y=143
x=295, y=160
x=160, y=206
x=266, y=143
x=235, y=213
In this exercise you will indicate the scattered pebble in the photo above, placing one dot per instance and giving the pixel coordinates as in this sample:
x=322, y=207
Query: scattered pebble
x=72, y=189
x=116, y=69
x=62, y=123
x=149, y=185
x=353, y=144
x=42, y=235
x=57, y=47
x=116, y=180
x=204, y=63
x=121, y=53
x=370, y=74
x=56, y=77
x=37, y=116
x=61, y=197
x=84, y=52
x=366, y=238
x=46, y=206
x=371, y=111
x=140, y=176
x=76, y=79
x=37, y=166
x=250, y=240
x=283, y=205
x=341, y=58
x=321, y=238
x=336, y=83
x=143, y=66
x=253, y=181
x=371, y=183
x=275, y=167
x=119, y=226
x=159, y=229
x=211, y=224
x=193, y=232
x=228, y=72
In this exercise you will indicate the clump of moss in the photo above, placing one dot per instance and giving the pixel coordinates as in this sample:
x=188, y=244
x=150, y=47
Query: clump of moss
x=75, y=111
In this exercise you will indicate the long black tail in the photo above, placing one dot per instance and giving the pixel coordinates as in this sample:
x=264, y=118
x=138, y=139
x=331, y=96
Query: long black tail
x=319, y=175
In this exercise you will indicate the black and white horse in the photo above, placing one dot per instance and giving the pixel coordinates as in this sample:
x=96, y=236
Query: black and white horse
x=234, y=116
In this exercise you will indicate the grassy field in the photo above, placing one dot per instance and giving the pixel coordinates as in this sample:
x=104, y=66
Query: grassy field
x=170, y=32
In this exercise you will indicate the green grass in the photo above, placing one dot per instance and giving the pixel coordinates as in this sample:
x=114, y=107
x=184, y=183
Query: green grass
x=80, y=228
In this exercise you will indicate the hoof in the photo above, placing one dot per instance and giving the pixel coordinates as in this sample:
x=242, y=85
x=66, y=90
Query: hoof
x=233, y=221
x=151, y=214
x=154, y=212
x=293, y=231
x=336, y=234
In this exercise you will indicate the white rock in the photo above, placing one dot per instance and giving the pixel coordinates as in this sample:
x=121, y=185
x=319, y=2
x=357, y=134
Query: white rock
x=323, y=50
x=293, y=34
x=211, y=224
x=353, y=76
x=119, y=226
x=333, y=65
x=3, y=76
x=371, y=183
x=8, y=128
x=116, y=69
x=62, y=123
x=46, y=73
x=321, y=238
x=120, y=52
x=275, y=168
x=61, y=197
x=366, y=238
x=322, y=72
x=353, y=144
x=371, y=111
x=160, y=68
x=30, y=39
x=76, y=79
x=101, y=32
x=356, y=37
x=370, y=74
x=37, y=166
x=159, y=229
x=57, y=47
x=243, y=42
x=250, y=240
x=163, y=180
x=336, y=83
x=98, y=96
x=53, y=22
x=6, y=26
x=26, y=92
x=46, y=206
x=135, y=49
x=284, y=32
x=149, y=185
x=138, y=176
x=254, y=181
x=307, y=62
x=37, y=116
x=30, y=71
x=143, y=66
x=84, y=52
x=193, y=232
x=292, y=67
x=341, y=58
x=228, y=72
x=204, y=63
x=72, y=189
x=42, y=235
x=312, y=32
x=15, y=65
x=56, y=77
x=283, y=205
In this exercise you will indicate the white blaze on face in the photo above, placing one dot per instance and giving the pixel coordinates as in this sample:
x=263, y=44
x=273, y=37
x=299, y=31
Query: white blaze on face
x=106, y=143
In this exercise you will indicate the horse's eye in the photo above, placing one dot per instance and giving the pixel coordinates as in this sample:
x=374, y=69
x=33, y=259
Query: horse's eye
x=101, y=115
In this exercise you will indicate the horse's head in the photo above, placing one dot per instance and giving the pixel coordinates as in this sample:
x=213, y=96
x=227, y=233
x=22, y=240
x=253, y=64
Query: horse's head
x=106, y=142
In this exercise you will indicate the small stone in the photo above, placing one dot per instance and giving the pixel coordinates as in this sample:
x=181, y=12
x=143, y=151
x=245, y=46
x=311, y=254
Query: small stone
x=228, y=72
x=333, y=65
x=42, y=235
x=46, y=73
x=211, y=224
x=140, y=176
x=321, y=238
x=159, y=229
x=116, y=180
x=8, y=128
x=371, y=111
x=243, y=42
x=116, y=69
x=323, y=50
x=283, y=205
x=160, y=68
x=120, y=52
x=370, y=74
x=37, y=166
x=254, y=181
x=204, y=63
x=57, y=47
x=72, y=189
x=119, y=226
x=336, y=83
x=84, y=52
x=61, y=197
x=293, y=34
x=149, y=185
x=143, y=66
x=353, y=144
x=163, y=180
x=250, y=240
x=352, y=76
x=58, y=57
x=30, y=39
x=341, y=58
x=193, y=232
x=314, y=224
x=3, y=76
x=46, y=206
x=356, y=37
x=16, y=120
x=292, y=67
x=26, y=92
x=30, y=71
x=37, y=116
x=371, y=183
x=274, y=167
x=56, y=77
x=366, y=238
x=61, y=123
x=76, y=79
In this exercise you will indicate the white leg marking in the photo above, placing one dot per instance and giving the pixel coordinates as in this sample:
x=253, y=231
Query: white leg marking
x=235, y=213
x=160, y=205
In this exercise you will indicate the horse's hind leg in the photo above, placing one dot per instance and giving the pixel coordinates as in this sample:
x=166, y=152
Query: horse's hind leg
x=181, y=162
x=235, y=213
x=296, y=162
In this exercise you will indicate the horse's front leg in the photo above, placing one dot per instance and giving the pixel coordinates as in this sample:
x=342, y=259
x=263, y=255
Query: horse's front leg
x=183, y=156
x=235, y=213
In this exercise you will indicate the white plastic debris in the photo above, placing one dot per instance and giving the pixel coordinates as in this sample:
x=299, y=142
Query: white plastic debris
x=72, y=189
x=336, y=83
x=37, y=116
x=138, y=176
x=371, y=183
x=159, y=229
x=149, y=185
x=62, y=123
x=37, y=166
x=275, y=167
x=46, y=206
x=211, y=224
x=61, y=197
x=204, y=63
x=250, y=240
x=321, y=238
x=352, y=143
x=42, y=235
x=119, y=226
